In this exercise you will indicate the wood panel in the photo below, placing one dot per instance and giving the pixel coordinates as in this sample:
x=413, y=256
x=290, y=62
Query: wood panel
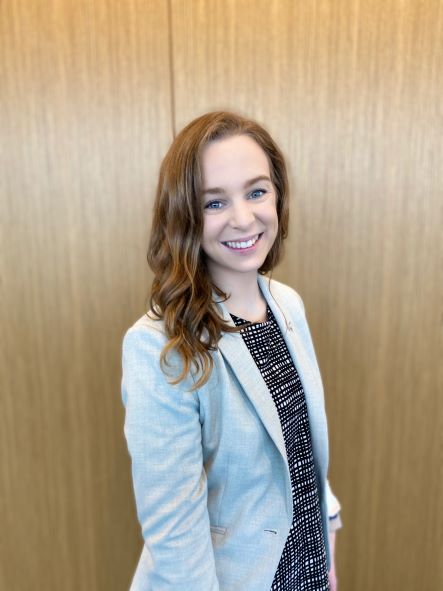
x=352, y=92
x=85, y=107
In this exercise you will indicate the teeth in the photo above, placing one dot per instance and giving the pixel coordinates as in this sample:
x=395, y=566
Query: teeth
x=243, y=244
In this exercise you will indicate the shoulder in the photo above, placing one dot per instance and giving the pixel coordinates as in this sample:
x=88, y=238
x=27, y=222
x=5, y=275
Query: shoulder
x=147, y=323
x=146, y=333
x=142, y=349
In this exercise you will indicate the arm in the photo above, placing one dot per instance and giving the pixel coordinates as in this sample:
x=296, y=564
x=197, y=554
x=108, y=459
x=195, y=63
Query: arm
x=163, y=433
x=332, y=573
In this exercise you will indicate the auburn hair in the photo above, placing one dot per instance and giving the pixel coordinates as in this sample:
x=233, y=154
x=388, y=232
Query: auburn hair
x=182, y=294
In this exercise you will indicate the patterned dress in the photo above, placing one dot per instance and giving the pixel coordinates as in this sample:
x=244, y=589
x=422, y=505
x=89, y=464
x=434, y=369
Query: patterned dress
x=302, y=565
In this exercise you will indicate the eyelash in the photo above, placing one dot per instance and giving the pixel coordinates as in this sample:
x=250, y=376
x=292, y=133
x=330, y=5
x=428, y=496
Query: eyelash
x=262, y=191
x=211, y=203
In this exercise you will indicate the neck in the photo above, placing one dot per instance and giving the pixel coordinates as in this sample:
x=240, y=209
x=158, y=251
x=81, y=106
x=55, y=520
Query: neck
x=245, y=299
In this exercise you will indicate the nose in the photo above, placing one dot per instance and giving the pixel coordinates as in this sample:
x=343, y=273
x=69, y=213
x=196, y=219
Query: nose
x=242, y=215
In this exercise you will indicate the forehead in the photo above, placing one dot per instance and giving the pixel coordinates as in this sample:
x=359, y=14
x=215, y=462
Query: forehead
x=231, y=159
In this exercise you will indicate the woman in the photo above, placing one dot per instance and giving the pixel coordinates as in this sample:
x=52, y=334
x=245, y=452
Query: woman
x=225, y=420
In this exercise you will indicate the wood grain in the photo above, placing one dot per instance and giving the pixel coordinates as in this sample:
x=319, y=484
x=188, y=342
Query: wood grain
x=85, y=119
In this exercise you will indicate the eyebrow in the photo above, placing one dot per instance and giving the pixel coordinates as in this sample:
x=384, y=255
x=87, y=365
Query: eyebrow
x=219, y=190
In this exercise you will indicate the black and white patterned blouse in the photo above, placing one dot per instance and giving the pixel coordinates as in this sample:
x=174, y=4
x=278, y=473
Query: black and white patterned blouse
x=302, y=565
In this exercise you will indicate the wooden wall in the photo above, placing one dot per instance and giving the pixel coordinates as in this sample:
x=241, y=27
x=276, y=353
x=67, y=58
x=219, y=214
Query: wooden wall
x=90, y=96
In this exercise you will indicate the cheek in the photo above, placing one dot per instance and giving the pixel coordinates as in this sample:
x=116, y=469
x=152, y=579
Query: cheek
x=206, y=230
x=272, y=219
x=210, y=230
x=273, y=228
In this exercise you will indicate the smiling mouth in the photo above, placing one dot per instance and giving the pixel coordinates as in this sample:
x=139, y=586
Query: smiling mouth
x=242, y=244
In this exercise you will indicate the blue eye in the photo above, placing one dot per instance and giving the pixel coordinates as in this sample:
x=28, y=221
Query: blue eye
x=257, y=193
x=214, y=204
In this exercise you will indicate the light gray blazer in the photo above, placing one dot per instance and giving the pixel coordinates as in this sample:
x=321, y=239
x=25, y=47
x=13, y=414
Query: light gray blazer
x=209, y=467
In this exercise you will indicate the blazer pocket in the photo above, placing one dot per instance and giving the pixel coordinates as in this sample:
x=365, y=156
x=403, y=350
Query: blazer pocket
x=216, y=529
x=218, y=537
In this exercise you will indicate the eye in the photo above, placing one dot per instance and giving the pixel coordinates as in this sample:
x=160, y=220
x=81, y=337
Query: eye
x=257, y=193
x=215, y=204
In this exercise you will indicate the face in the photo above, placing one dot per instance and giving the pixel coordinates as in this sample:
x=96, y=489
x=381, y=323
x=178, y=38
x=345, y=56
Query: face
x=239, y=217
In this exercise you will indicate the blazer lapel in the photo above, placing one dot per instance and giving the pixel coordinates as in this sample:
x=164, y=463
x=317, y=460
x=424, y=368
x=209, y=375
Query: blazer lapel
x=307, y=371
x=233, y=349
x=291, y=336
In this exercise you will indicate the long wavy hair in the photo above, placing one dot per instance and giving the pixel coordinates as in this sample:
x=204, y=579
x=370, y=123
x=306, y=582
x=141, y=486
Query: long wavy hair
x=182, y=294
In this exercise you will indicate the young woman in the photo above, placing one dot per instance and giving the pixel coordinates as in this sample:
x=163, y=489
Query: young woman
x=225, y=419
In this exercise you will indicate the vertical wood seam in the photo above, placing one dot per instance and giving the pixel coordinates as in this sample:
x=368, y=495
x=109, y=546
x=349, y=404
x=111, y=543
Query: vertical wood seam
x=171, y=68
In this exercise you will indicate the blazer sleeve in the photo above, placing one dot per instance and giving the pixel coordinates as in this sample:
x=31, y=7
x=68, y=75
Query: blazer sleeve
x=334, y=509
x=163, y=433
